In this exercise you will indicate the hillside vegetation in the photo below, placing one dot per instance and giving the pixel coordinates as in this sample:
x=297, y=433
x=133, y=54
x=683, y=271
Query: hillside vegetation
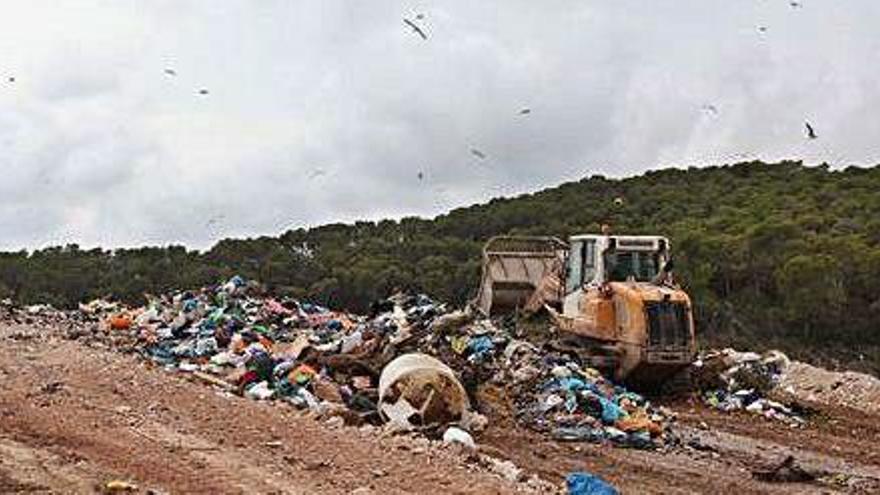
x=774, y=255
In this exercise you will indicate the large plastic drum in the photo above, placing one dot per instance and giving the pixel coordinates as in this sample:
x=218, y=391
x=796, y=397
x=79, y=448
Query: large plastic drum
x=427, y=384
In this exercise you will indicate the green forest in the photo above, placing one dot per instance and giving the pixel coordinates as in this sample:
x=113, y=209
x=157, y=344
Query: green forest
x=774, y=255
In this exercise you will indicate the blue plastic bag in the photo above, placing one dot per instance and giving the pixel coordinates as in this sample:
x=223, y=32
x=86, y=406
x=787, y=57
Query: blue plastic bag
x=479, y=347
x=570, y=384
x=587, y=484
x=611, y=412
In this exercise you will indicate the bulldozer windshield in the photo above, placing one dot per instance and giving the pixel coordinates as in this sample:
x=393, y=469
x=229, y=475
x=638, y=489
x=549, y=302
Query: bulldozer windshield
x=641, y=265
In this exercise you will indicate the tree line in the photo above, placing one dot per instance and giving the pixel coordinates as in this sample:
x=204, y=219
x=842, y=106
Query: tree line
x=773, y=255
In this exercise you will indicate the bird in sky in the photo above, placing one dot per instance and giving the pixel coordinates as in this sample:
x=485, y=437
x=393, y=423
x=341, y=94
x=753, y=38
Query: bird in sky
x=318, y=172
x=171, y=72
x=203, y=92
x=710, y=108
x=794, y=5
x=525, y=111
x=214, y=220
x=11, y=79
x=811, y=133
x=420, y=175
x=477, y=153
x=762, y=29
x=415, y=28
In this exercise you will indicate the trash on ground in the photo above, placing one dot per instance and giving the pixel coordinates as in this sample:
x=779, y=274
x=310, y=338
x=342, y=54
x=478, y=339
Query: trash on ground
x=457, y=435
x=786, y=471
x=582, y=483
x=574, y=403
x=411, y=364
x=119, y=486
x=418, y=389
x=732, y=381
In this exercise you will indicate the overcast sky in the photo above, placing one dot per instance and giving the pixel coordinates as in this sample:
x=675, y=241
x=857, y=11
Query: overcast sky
x=325, y=111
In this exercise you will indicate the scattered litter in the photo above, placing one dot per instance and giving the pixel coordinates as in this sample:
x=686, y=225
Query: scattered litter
x=579, y=404
x=98, y=307
x=582, y=483
x=504, y=468
x=259, y=391
x=411, y=364
x=785, y=472
x=732, y=381
x=457, y=435
x=696, y=444
x=119, y=486
x=51, y=387
x=120, y=322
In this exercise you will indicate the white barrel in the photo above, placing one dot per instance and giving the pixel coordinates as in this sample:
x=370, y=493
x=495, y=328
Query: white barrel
x=425, y=383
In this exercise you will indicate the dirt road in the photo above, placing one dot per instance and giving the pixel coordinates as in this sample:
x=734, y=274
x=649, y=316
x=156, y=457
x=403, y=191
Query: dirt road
x=73, y=417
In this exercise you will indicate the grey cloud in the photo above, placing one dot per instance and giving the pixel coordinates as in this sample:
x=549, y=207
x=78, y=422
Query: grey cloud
x=134, y=156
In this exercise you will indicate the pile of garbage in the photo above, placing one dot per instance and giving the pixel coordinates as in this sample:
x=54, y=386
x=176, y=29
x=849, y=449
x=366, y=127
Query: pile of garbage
x=33, y=313
x=730, y=381
x=236, y=337
x=43, y=315
x=575, y=403
x=410, y=364
x=556, y=394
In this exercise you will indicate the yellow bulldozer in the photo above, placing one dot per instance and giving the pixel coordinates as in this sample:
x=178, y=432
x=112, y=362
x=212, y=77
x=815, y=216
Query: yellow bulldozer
x=612, y=299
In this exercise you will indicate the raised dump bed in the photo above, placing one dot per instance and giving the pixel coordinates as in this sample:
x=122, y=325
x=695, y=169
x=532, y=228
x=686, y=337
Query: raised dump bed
x=513, y=268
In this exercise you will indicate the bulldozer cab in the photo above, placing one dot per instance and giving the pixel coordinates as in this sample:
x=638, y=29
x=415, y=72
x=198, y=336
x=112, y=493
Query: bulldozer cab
x=596, y=259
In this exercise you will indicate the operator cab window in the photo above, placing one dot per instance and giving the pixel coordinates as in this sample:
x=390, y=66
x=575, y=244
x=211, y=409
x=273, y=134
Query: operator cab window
x=575, y=265
x=589, y=270
x=582, y=265
x=622, y=266
x=641, y=266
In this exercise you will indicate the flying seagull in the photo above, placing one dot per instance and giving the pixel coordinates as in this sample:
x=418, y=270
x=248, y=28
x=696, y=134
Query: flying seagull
x=11, y=78
x=203, y=91
x=318, y=172
x=477, y=153
x=420, y=175
x=794, y=4
x=710, y=108
x=811, y=134
x=171, y=72
x=214, y=220
x=415, y=28
x=762, y=29
x=525, y=111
